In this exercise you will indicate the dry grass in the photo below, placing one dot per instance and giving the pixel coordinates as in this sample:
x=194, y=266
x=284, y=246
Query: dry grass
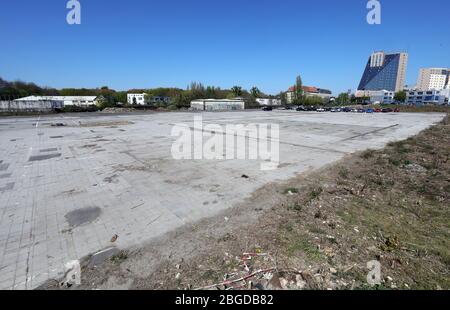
x=418, y=109
x=391, y=205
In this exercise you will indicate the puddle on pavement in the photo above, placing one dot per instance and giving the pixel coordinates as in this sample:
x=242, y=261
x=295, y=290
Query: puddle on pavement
x=83, y=216
x=44, y=157
x=48, y=150
x=7, y=187
x=4, y=167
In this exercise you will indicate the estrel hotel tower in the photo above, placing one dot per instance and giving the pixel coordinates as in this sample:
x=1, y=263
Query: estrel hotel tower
x=384, y=72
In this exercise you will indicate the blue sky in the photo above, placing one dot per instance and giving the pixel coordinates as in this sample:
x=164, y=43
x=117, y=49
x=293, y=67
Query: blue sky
x=264, y=43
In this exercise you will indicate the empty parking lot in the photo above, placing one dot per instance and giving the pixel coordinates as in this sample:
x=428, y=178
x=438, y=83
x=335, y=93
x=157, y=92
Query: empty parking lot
x=65, y=191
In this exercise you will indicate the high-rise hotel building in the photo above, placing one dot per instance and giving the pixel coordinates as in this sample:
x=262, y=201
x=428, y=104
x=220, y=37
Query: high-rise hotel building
x=384, y=72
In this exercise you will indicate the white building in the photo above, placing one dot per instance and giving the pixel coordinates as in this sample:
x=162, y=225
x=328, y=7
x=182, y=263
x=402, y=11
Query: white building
x=377, y=96
x=433, y=78
x=382, y=96
x=217, y=104
x=30, y=106
x=136, y=99
x=80, y=101
x=419, y=97
x=268, y=102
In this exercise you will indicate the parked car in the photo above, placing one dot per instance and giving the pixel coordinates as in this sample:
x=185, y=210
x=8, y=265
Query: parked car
x=354, y=110
x=378, y=110
x=370, y=111
x=320, y=110
x=387, y=110
x=311, y=108
x=301, y=108
x=396, y=110
x=346, y=109
x=267, y=109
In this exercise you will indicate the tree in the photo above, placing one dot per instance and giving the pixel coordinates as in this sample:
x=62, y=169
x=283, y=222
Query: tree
x=298, y=88
x=343, y=98
x=121, y=97
x=3, y=83
x=282, y=96
x=237, y=91
x=212, y=92
x=313, y=100
x=255, y=92
x=400, y=96
x=19, y=89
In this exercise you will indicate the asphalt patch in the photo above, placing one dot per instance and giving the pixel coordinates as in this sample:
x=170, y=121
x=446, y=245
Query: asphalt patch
x=54, y=149
x=44, y=157
x=4, y=167
x=7, y=187
x=83, y=216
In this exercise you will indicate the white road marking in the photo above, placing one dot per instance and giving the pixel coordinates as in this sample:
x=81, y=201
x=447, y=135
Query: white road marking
x=37, y=123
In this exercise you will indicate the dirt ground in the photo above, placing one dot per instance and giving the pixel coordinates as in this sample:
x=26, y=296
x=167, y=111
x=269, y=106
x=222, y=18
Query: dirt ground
x=317, y=231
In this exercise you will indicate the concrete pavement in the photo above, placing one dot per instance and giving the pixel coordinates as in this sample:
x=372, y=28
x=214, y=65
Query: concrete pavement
x=66, y=191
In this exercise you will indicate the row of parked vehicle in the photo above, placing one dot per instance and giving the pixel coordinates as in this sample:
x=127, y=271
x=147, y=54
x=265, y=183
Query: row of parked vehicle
x=337, y=109
x=353, y=110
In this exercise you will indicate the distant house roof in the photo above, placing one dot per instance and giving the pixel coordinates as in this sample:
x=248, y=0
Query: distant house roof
x=311, y=90
x=57, y=98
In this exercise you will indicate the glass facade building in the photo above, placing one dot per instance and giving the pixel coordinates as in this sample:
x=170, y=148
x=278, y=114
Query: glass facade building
x=384, y=72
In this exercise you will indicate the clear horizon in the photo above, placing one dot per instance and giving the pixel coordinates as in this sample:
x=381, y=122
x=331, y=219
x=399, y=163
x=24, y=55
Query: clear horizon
x=143, y=44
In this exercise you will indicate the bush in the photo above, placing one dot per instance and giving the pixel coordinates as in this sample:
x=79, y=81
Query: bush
x=313, y=101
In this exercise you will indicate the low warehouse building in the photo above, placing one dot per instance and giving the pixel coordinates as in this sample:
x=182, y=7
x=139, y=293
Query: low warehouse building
x=80, y=101
x=382, y=96
x=218, y=104
x=30, y=106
